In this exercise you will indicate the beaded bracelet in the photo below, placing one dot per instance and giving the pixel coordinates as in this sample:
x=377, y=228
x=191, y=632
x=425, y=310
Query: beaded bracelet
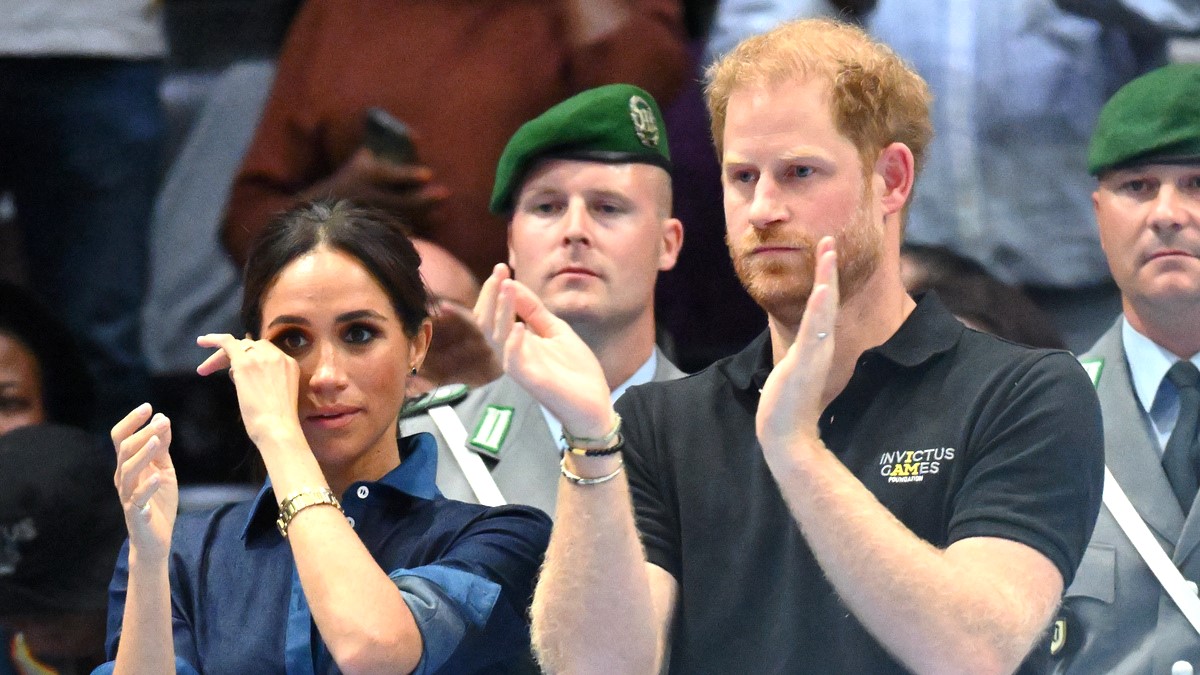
x=603, y=442
x=580, y=480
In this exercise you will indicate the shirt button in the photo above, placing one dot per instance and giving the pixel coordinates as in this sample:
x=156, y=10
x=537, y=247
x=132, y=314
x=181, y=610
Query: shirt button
x=1181, y=668
x=363, y=492
x=350, y=519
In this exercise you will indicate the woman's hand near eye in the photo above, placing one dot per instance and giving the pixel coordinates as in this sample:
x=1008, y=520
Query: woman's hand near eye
x=267, y=381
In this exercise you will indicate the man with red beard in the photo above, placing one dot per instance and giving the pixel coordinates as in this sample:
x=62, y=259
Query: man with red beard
x=869, y=487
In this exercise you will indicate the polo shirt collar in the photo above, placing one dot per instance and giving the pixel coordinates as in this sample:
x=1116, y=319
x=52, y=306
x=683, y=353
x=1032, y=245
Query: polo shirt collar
x=748, y=369
x=416, y=476
x=928, y=331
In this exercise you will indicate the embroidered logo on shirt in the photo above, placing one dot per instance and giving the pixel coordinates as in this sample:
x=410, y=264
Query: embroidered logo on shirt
x=911, y=466
x=492, y=428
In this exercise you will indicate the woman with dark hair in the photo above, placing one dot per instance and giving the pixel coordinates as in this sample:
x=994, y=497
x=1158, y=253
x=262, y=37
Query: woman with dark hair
x=43, y=377
x=348, y=560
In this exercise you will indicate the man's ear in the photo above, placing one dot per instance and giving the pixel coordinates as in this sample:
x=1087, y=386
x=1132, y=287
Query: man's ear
x=898, y=170
x=672, y=242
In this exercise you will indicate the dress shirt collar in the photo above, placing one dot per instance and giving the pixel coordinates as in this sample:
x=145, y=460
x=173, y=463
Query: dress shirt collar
x=415, y=476
x=642, y=375
x=1148, y=364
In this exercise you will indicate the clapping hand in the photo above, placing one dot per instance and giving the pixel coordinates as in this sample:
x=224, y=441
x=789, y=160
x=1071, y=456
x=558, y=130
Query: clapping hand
x=145, y=480
x=791, y=400
x=544, y=355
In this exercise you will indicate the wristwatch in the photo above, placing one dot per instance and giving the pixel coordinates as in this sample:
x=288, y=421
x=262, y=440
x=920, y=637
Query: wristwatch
x=300, y=500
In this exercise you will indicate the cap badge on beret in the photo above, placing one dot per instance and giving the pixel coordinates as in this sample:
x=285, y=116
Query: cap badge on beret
x=10, y=537
x=644, y=124
x=591, y=126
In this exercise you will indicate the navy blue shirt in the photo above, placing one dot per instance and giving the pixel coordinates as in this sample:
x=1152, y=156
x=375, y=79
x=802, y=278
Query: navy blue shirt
x=465, y=571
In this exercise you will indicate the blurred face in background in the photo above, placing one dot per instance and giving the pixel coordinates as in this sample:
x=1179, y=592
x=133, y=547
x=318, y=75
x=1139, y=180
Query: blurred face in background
x=21, y=393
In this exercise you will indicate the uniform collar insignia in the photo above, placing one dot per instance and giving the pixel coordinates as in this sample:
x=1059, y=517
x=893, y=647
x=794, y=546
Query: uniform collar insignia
x=491, y=430
x=1094, y=365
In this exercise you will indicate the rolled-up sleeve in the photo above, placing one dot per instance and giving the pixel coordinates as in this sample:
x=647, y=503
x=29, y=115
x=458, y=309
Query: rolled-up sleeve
x=471, y=606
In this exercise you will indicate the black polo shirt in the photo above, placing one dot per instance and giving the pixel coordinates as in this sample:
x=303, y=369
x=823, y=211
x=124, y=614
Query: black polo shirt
x=960, y=434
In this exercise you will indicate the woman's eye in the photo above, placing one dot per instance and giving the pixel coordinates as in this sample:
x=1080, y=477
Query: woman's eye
x=360, y=334
x=291, y=341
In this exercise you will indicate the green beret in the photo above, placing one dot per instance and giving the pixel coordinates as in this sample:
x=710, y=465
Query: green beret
x=615, y=124
x=1154, y=119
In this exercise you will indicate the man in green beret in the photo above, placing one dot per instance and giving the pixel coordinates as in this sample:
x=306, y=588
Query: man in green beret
x=1119, y=616
x=587, y=189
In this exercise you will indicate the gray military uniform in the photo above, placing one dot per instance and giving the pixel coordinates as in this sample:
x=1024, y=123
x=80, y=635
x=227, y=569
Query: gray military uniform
x=525, y=459
x=1118, y=618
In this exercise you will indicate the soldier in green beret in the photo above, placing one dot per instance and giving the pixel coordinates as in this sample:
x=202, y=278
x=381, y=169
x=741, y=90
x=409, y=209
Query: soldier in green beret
x=587, y=190
x=1119, y=616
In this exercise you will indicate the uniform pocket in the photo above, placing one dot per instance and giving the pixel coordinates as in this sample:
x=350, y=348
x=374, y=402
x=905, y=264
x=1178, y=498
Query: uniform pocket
x=1097, y=574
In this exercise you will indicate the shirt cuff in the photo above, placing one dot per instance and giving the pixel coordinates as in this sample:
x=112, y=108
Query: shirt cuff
x=446, y=604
